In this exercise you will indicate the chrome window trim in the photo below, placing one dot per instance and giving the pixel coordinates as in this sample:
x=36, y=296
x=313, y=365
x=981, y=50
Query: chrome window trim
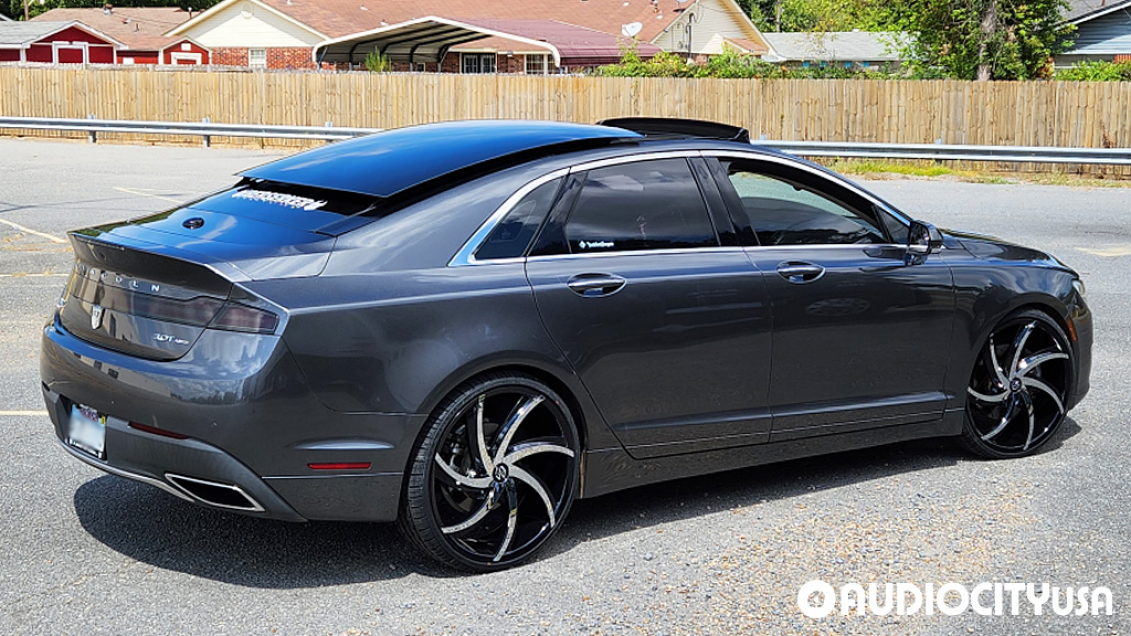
x=826, y=246
x=646, y=156
x=466, y=254
x=785, y=161
x=720, y=249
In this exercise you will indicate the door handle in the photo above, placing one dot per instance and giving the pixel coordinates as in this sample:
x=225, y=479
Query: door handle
x=595, y=285
x=800, y=272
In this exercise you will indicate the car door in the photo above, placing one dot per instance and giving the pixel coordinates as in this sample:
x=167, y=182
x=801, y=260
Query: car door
x=861, y=333
x=667, y=327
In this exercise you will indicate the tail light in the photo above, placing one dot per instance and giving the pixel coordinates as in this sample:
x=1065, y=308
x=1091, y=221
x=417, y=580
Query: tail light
x=236, y=317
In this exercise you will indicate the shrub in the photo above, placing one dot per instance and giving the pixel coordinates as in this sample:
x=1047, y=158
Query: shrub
x=1096, y=71
x=377, y=63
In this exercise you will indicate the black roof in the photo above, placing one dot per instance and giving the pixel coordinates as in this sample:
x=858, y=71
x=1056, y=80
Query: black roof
x=390, y=162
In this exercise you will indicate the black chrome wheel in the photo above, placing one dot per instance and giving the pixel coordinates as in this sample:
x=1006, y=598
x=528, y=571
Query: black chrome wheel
x=1019, y=388
x=495, y=475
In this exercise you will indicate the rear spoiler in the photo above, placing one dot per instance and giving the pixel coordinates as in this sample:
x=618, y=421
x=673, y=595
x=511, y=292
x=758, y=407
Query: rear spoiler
x=678, y=128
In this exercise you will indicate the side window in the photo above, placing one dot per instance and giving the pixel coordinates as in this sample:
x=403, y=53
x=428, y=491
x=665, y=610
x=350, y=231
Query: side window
x=896, y=229
x=512, y=235
x=637, y=206
x=785, y=210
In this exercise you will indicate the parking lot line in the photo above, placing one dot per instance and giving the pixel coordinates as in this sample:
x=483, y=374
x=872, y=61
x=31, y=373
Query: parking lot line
x=22, y=413
x=28, y=230
x=148, y=194
x=1110, y=252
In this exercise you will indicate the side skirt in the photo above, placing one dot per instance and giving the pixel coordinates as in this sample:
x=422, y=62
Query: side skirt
x=610, y=470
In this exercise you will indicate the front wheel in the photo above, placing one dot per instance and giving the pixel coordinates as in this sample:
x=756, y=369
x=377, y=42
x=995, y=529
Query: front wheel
x=1019, y=388
x=495, y=474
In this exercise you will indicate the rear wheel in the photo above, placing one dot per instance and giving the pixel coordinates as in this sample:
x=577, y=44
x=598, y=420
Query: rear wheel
x=495, y=474
x=1018, y=392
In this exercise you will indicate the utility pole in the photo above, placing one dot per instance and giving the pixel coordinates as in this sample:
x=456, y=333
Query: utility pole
x=777, y=15
x=26, y=16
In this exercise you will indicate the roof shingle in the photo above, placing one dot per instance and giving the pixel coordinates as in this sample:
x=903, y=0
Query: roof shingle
x=337, y=18
x=139, y=28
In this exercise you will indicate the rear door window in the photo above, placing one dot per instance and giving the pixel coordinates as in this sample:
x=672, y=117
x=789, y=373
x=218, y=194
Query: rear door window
x=644, y=205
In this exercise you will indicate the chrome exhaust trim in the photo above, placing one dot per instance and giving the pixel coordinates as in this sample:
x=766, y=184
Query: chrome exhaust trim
x=186, y=485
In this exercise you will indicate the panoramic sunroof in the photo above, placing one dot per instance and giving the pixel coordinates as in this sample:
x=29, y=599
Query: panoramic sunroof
x=386, y=163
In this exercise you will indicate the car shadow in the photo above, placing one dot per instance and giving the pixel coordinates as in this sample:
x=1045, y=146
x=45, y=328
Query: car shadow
x=153, y=527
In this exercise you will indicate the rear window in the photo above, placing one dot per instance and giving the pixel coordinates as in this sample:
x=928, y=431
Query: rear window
x=294, y=206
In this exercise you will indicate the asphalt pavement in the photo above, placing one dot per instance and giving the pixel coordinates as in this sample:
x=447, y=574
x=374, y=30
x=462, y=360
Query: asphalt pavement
x=86, y=553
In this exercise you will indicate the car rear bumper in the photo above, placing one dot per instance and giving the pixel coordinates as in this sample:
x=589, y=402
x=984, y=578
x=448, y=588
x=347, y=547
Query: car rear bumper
x=233, y=435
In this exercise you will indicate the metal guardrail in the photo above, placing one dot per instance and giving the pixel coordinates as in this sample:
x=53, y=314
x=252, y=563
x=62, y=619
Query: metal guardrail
x=205, y=129
x=937, y=151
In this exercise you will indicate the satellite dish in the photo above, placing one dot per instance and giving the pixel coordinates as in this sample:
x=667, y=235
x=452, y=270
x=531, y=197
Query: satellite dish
x=681, y=1
x=631, y=29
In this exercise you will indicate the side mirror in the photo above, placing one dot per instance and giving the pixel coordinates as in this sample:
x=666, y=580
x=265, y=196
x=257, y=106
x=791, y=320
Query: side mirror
x=923, y=239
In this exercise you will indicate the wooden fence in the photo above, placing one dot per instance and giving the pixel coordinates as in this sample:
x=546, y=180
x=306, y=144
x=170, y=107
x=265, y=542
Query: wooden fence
x=996, y=113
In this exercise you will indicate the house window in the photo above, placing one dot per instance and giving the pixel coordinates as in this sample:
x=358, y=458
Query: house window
x=478, y=63
x=536, y=64
x=257, y=58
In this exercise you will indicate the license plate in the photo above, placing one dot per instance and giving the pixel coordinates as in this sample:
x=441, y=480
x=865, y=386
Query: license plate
x=86, y=430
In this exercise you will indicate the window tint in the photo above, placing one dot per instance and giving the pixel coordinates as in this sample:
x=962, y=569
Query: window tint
x=896, y=228
x=510, y=237
x=636, y=206
x=784, y=211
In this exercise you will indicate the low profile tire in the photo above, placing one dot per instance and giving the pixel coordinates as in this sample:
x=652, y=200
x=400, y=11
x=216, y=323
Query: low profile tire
x=1018, y=393
x=495, y=474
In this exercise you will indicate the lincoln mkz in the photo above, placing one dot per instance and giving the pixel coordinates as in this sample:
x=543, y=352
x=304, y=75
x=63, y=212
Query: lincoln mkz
x=465, y=326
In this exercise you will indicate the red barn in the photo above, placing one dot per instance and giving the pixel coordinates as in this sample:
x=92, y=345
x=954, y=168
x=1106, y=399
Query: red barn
x=55, y=42
x=141, y=30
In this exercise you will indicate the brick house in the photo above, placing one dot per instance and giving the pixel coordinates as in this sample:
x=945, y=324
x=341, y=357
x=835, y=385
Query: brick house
x=535, y=47
x=284, y=33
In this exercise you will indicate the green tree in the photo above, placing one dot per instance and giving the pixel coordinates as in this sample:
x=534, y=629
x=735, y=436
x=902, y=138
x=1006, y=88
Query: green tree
x=819, y=15
x=375, y=62
x=984, y=39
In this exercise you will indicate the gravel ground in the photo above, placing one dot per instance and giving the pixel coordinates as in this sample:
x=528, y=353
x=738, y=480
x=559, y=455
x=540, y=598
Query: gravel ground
x=87, y=553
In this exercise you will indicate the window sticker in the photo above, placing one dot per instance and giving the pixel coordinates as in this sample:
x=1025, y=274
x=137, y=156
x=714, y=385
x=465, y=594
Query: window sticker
x=597, y=245
x=279, y=198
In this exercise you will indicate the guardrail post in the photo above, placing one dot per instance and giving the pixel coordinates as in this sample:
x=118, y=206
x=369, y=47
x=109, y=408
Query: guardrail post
x=207, y=138
x=92, y=135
